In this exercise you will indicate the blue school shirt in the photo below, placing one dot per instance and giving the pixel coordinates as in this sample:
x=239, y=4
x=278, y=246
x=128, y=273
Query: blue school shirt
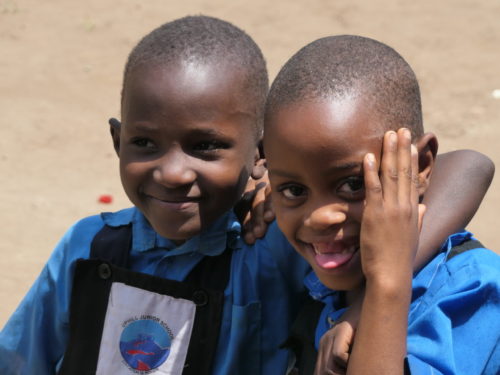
x=454, y=315
x=262, y=296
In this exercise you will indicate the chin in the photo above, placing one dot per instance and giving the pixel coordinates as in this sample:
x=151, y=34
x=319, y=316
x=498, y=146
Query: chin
x=336, y=283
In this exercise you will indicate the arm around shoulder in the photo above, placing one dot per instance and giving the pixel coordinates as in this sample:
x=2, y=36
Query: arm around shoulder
x=459, y=183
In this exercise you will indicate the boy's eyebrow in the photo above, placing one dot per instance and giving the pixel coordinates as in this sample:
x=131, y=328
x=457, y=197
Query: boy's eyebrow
x=335, y=168
x=195, y=132
x=143, y=127
x=205, y=132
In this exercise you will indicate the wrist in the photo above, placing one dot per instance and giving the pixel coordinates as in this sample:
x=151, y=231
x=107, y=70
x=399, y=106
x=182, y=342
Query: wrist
x=390, y=288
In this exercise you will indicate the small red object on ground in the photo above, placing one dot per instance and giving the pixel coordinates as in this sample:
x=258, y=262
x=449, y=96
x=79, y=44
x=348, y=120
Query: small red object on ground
x=105, y=198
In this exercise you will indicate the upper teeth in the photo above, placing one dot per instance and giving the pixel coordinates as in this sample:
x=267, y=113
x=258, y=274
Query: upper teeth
x=318, y=249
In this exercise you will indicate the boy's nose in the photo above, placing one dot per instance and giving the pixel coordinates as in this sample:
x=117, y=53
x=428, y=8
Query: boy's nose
x=324, y=217
x=174, y=170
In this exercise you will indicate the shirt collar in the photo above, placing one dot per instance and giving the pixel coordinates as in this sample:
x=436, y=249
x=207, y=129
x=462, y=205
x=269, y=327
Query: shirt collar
x=316, y=289
x=456, y=239
x=320, y=292
x=223, y=233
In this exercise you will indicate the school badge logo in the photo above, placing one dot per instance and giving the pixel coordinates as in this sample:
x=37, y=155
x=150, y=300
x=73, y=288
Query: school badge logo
x=145, y=343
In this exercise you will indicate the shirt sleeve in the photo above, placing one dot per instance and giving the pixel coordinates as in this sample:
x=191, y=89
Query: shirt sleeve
x=455, y=328
x=34, y=339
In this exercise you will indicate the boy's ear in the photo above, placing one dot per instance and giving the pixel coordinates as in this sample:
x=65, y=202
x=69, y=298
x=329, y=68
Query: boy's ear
x=115, y=128
x=259, y=163
x=427, y=147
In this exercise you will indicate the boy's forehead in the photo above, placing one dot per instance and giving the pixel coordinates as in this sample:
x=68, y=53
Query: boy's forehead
x=182, y=75
x=329, y=120
x=184, y=82
x=322, y=135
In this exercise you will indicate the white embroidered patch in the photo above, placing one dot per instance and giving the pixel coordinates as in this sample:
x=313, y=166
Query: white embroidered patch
x=144, y=333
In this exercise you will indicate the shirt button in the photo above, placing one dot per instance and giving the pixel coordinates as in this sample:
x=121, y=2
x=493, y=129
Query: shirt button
x=200, y=298
x=104, y=271
x=331, y=322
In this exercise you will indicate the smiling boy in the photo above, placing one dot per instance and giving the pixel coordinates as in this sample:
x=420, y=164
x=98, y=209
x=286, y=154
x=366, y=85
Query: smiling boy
x=168, y=286
x=326, y=116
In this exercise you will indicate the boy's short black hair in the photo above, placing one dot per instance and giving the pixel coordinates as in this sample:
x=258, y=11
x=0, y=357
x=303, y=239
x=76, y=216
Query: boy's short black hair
x=348, y=65
x=205, y=40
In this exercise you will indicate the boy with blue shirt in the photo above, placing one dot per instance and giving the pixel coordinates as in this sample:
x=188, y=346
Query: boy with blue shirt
x=358, y=227
x=192, y=103
x=168, y=286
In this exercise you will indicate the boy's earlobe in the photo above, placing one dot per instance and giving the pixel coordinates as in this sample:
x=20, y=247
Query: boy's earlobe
x=427, y=147
x=115, y=128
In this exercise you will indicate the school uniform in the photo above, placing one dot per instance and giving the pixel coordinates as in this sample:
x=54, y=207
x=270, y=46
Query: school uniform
x=454, y=316
x=261, y=295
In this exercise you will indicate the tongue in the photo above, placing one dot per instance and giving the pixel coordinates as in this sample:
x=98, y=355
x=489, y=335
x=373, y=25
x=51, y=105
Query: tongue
x=332, y=260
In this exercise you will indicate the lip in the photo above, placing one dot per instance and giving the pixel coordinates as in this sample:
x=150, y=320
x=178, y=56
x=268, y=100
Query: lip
x=175, y=203
x=333, y=255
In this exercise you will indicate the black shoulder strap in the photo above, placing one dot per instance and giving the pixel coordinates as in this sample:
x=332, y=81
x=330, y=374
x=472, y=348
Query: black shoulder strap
x=212, y=272
x=112, y=244
x=302, y=336
x=464, y=246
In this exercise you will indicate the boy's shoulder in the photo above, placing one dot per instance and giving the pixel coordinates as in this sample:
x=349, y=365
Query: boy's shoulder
x=463, y=251
x=84, y=230
x=474, y=270
x=114, y=219
x=454, y=310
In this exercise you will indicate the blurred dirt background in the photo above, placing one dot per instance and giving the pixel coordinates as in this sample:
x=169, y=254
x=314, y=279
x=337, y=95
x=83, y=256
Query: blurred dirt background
x=61, y=66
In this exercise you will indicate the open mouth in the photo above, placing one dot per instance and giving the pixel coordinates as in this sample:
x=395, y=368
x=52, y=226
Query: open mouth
x=332, y=255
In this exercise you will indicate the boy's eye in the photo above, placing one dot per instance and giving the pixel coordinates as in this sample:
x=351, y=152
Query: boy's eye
x=210, y=146
x=352, y=188
x=143, y=143
x=292, y=191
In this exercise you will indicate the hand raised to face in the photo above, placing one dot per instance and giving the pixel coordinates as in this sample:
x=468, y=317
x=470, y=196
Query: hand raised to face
x=392, y=216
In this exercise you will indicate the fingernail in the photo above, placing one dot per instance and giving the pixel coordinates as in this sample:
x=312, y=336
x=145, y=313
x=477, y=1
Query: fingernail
x=370, y=158
x=268, y=215
x=393, y=137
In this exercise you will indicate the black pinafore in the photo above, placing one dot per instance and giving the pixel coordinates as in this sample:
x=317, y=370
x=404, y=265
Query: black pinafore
x=125, y=322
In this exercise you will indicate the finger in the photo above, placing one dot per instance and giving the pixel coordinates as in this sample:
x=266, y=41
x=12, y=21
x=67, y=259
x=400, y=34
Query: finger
x=257, y=219
x=404, y=165
x=249, y=238
x=268, y=205
x=325, y=360
x=242, y=208
x=373, y=188
x=257, y=224
x=414, y=176
x=341, y=348
x=389, y=166
x=344, y=332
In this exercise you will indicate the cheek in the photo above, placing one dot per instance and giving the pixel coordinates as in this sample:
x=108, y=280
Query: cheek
x=355, y=211
x=131, y=172
x=228, y=180
x=288, y=220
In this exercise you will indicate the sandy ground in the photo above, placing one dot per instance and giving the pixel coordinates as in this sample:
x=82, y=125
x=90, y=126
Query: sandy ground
x=60, y=74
